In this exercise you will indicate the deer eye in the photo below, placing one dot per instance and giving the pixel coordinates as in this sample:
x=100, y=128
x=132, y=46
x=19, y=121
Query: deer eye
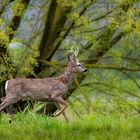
x=79, y=65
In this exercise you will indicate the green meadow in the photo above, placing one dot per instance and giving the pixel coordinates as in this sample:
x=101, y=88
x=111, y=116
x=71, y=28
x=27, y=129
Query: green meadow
x=31, y=126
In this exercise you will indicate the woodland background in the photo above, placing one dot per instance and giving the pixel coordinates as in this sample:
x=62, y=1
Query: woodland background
x=36, y=36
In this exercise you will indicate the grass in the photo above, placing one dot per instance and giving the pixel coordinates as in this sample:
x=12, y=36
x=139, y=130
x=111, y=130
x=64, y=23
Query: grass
x=31, y=126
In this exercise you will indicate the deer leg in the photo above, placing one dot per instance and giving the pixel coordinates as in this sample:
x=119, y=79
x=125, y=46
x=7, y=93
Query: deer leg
x=9, y=100
x=59, y=106
x=64, y=114
x=3, y=105
x=63, y=105
x=61, y=111
x=8, y=109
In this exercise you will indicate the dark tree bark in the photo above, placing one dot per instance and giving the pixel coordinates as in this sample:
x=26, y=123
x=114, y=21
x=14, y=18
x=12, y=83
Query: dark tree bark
x=53, y=28
x=4, y=6
x=14, y=24
x=55, y=21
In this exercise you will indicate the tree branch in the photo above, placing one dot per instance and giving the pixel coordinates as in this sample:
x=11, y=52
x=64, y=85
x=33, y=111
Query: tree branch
x=4, y=6
x=114, y=67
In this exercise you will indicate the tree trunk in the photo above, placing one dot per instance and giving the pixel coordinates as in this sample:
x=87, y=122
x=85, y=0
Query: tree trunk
x=4, y=54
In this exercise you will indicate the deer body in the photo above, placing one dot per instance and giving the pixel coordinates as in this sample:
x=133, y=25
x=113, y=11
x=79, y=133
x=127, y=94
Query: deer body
x=46, y=89
x=39, y=89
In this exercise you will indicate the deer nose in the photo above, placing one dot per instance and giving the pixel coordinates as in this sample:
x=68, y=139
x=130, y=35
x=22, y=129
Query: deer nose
x=85, y=70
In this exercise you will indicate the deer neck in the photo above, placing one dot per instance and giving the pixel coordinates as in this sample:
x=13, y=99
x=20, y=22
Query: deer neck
x=68, y=75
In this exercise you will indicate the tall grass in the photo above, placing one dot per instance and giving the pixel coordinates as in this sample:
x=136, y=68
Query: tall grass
x=31, y=126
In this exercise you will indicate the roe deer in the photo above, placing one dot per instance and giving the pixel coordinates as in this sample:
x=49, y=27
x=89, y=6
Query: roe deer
x=50, y=89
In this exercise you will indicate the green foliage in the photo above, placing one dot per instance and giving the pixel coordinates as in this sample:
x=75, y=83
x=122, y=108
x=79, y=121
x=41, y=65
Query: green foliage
x=27, y=57
x=68, y=3
x=18, y=8
x=4, y=40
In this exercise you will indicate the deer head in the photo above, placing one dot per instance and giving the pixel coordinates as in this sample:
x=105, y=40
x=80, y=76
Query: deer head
x=74, y=62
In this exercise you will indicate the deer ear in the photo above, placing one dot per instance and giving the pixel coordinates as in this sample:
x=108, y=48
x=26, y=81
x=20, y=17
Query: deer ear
x=72, y=57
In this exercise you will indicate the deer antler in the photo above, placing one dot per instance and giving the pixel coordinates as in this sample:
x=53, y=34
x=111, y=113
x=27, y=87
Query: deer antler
x=76, y=51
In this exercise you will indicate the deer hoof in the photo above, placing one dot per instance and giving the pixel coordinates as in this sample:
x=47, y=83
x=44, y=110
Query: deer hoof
x=56, y=114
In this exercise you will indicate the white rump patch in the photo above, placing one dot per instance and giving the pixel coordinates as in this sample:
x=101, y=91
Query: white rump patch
x=6, y=85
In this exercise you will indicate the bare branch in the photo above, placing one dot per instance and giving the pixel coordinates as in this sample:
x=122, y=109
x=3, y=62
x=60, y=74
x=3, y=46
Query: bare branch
x=114, y=67
x=130, y=77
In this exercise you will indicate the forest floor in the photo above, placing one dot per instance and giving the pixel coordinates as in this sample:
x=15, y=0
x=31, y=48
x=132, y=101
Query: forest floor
x=30, y=126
